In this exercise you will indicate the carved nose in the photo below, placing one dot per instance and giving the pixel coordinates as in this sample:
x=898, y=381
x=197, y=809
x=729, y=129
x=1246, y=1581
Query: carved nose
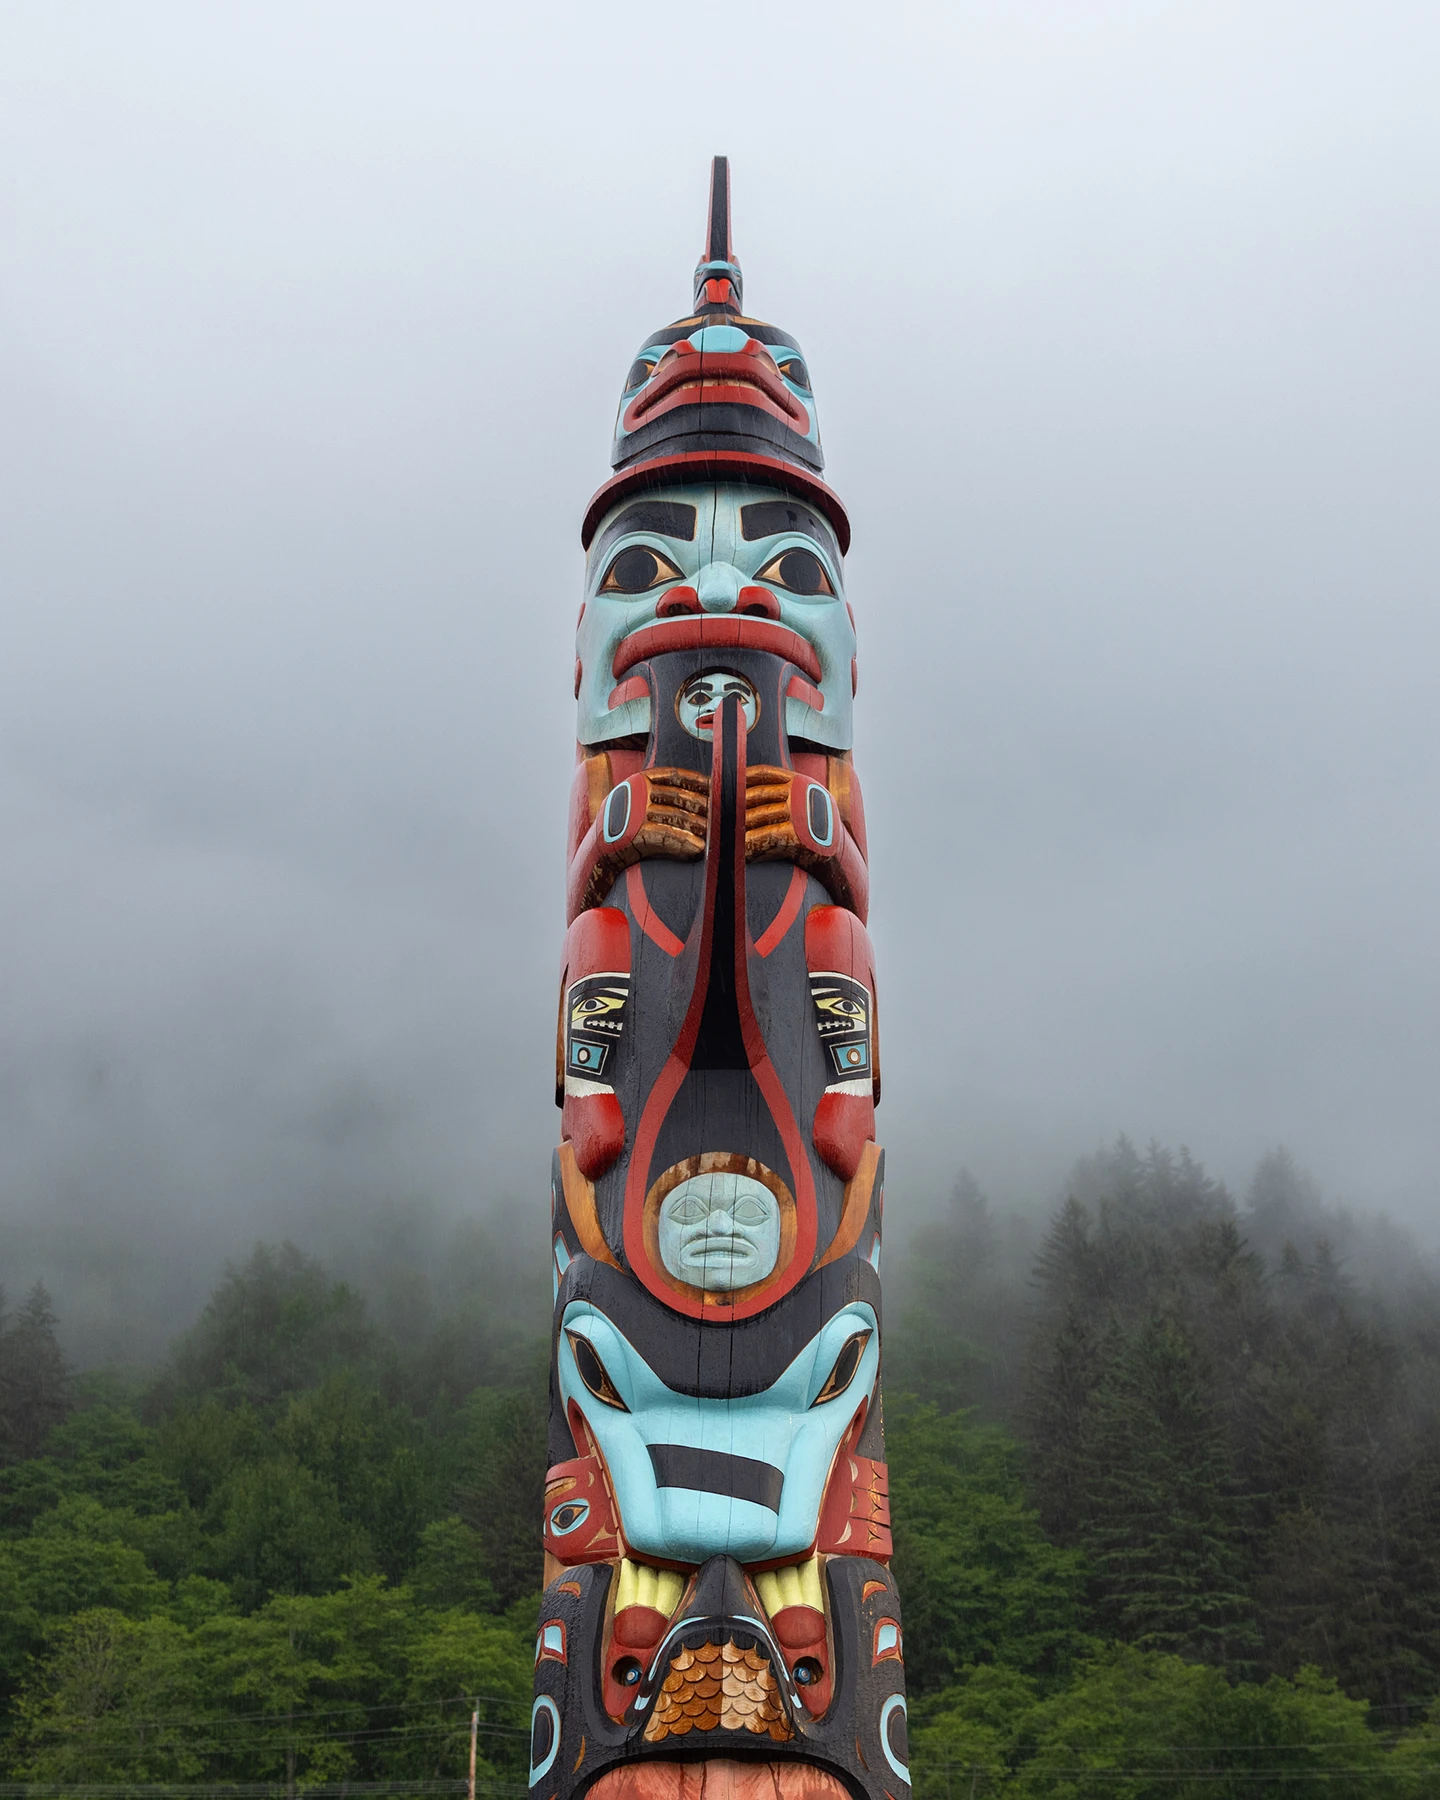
x=719, y=588
x=758, y=601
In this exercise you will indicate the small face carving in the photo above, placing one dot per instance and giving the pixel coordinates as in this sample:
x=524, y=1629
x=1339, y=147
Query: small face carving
x=684, y=553
x=720, y=1232
x=842, y=1014
x=720, y=366
x=595, y=1007
x=703, y=696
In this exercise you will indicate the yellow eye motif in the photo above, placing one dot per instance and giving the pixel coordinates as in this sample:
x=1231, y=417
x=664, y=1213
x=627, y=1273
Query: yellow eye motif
x=637, y=569
x=849, y=1009
x=596, y=1004
x=799, y=570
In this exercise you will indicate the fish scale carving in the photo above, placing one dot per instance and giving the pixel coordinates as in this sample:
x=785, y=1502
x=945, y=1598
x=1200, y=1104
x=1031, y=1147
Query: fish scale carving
x=719, y=1687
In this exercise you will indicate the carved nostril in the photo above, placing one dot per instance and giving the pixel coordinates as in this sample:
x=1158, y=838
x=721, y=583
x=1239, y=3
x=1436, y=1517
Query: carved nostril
x=676, y=602
x=758, y=601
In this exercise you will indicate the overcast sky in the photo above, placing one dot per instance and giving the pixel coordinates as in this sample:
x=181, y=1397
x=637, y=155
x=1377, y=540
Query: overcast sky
x=312, y=322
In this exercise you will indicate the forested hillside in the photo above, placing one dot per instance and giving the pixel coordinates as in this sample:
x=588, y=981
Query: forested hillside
x=1166, y=1484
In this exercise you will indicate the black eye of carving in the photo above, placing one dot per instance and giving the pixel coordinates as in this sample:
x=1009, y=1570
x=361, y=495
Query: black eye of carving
x=639, y=374
x=799, y=570
x=636, y=569
x=794, y=370
x=846, y=1363
x=592, y=1372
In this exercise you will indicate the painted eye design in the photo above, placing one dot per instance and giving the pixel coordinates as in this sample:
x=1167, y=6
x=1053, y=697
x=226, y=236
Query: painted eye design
x=592, y=1372
x=799, y=570
x=569, y=1516
x=795, y=371
x=640, y=371
x=846, y=1363
x=636, y=569
x=597, y=1003
x=849, y=1009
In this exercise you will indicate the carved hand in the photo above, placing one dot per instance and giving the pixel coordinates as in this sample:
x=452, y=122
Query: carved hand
x=769, y=830
x=675, y=813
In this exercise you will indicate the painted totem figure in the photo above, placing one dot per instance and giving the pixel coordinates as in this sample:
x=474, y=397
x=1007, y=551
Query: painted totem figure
x=719, y=1611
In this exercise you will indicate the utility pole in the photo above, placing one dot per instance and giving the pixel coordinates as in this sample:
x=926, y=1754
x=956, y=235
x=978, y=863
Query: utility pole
x=474, y=1729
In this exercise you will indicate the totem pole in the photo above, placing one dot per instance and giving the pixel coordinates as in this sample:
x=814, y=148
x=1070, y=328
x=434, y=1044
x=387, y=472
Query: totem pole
x=719, y=1612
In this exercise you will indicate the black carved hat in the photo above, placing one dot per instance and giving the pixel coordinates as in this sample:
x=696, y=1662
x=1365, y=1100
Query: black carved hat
x=718, y=395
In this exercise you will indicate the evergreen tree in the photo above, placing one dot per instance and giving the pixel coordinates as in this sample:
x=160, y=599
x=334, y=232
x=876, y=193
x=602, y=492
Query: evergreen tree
x=34, y=1379
x=276, y=1325
x=501, y=1492
x=959, y=1336
x=1163, y=1527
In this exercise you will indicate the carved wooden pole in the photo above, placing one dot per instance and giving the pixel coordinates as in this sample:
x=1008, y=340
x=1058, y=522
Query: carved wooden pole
x=719, y=1612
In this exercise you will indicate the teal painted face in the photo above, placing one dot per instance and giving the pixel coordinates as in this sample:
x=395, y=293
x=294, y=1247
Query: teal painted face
x=720, y=1232
x=698, y=1478
x=734, y=548
x=694, y=384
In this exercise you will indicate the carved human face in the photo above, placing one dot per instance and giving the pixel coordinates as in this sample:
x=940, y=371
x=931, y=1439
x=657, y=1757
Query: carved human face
x=703, y=695
x=720, y=1232
x=684, y=552
x=722, y=370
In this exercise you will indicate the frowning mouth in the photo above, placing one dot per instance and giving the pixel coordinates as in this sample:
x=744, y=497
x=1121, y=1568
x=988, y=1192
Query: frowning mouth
x=715, y=1245
x=715, y=631
x=690, y=377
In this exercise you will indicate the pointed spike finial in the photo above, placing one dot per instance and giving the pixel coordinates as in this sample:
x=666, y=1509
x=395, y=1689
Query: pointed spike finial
x=717, y=234
x=718, y=286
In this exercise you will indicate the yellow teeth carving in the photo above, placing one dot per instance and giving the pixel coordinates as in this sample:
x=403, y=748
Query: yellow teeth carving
x=641, y=1585
x=797, y=1584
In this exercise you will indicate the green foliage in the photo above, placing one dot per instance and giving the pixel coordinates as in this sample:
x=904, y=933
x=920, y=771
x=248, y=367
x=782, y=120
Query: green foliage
x=359, y=1684
x=1244, y=1447
x=276, y=1326
x=259, y=1569
x=1142, y=1725
x=453, y=1568
x=74, y=1559
x=503, y=1481
x=980, y=1581
x=1164, y=1527
x=1195, y=1551
x=280, y=1528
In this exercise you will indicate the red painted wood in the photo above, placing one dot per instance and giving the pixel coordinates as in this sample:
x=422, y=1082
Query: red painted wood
x=716, y=631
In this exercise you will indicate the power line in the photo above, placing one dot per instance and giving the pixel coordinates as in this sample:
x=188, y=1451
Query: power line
x=242, y=1790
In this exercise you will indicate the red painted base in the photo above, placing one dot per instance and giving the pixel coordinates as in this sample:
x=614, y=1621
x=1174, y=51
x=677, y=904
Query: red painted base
x=719, y=1779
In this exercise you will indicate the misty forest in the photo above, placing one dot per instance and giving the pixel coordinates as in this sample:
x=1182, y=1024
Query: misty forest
x=1165, y=1475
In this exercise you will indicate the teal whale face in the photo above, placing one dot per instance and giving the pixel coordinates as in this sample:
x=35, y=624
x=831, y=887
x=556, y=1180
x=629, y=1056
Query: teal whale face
x=696, y=1478
x=688, y=551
